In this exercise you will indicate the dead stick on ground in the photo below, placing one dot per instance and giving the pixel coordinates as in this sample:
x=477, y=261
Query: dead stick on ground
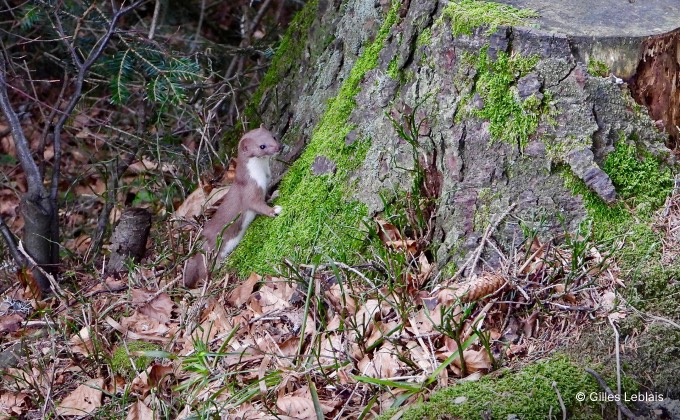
x=626, y=412
x=559, y=398
x=618, y=360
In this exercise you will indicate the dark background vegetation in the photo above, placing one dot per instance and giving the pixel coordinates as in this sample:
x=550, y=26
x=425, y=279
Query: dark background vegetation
x=162, y=82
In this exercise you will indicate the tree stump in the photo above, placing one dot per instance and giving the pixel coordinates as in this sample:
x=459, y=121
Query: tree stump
x=129, y=239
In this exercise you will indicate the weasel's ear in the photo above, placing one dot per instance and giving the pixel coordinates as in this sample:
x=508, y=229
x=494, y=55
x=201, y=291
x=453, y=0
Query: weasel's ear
x=262, y=126
x=243, y=144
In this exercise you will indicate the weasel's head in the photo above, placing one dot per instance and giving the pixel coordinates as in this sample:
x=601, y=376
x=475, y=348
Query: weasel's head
x=258, y=143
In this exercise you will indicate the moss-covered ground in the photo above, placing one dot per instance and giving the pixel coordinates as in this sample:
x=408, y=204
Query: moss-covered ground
x=527, y=394
x=643, y=183
x=122, y=357
x=319, y=217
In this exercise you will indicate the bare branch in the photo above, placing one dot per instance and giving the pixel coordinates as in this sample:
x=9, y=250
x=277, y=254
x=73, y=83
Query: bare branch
x=83, y=68
x=154, y=19
x=35, y=184
x=10, y=240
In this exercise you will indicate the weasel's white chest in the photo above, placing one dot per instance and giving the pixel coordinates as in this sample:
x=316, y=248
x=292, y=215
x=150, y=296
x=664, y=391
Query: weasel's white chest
x=258, y=169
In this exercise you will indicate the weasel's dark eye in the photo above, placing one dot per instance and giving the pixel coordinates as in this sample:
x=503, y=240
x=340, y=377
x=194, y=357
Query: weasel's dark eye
x=262, y=146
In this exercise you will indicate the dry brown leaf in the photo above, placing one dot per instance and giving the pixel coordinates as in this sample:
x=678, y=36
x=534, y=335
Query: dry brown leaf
x=423, y=359
x=475, y=360
x=10, y=323
x=139, y=411
x=341, y=301
x=387, y=232
x=424, y=322
x=160, y=308
x=159, y=373
x=331, y=349
x=385, y=362
x=146, y=165
x=267, y=300
x=196, y=203
x=79, y=244
x=12, y=404
x=298, y=407
x=145, y=325
x=425, y=268
x=82, y=343
x=110, y=285
x=91, y=187
x=241, y=293
x=366, y=314
x=83, y=400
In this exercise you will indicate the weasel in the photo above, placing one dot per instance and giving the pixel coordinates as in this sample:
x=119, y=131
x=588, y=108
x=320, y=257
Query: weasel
x=244, y=200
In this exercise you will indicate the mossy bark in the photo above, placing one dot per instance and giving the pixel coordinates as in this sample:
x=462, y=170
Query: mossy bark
x=512, y=111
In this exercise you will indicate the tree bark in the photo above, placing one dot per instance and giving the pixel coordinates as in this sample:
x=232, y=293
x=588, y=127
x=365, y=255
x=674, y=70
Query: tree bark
x=425, y=66
x=129, y=239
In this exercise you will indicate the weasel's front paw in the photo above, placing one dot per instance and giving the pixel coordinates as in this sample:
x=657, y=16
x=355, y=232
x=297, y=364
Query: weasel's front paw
x=277, y=210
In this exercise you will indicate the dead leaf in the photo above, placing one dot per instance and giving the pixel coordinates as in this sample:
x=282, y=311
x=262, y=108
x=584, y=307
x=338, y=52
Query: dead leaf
x=82, y=343
x=83, y=400
x=298, y=407
x=10, y=323
x=139, y=411
x=13, y=404
x=196, y=203
x=159, y=373
x=241, y=294
x=475, y=360
x=159, y=308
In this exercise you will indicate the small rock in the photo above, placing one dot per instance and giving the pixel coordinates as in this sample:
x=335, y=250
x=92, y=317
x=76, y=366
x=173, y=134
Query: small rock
x=351, y=137
x=529, y=85
x=322, y=165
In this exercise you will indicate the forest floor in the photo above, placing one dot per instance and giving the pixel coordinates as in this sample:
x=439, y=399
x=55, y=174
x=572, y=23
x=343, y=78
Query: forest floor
x=329, y=340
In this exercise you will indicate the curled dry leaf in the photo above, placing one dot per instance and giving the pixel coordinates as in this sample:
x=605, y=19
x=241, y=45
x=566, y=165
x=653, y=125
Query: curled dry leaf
x=144, y=325
x=83, y=400
x=240, y=294
x=341, y=302
x=475, y=360
x=139, y=411
x=196, y=203
x=267, y=300
x=12, y=404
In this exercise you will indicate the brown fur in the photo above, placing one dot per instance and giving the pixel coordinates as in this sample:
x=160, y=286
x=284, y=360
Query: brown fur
x=246, y=197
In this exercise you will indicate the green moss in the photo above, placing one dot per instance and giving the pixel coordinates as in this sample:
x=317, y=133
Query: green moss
x=120, y=360
x=512, y=120
x=424, y=38
x=466, y=15
x=528, y=394
x=642, y=183
x=287, y=56
x=598, y=68
x=318, y=218
x=393, y=69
